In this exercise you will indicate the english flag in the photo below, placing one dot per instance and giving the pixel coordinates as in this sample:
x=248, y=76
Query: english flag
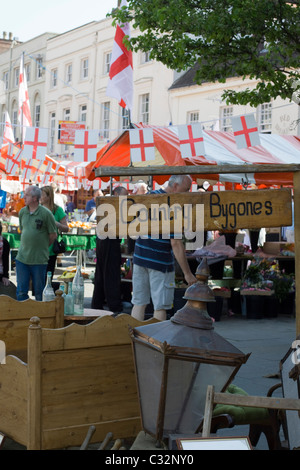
x=120, y=85
x=141, y=145
x=24, y=115
x=8, y=135
x=245, y=131
x=191, y=140
x=35, y=143
x=85, y=146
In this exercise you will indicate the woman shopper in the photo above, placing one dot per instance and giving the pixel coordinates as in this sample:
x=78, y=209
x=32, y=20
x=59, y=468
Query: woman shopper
x=47, y=200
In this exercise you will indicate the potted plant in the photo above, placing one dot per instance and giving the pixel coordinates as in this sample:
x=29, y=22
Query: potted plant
x=284, y=291
x=256, y=287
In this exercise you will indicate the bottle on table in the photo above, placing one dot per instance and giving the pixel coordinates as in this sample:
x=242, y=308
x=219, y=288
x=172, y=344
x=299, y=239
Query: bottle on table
x=48, y=292
x=69, y=301
x=78, y=292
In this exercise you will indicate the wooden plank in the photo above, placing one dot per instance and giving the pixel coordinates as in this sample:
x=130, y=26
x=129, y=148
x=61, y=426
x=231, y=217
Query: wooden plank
x=14, y=399
x=260, y=402
x=208, y=411
x=297, y=247
x=34, y=385
x=105, y=378
x=194, y=170
x=104, y=331
x=74, y=435
x=11, y=309
x=185, y=212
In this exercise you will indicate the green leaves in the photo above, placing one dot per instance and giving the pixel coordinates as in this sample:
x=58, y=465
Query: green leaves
x=248, y=38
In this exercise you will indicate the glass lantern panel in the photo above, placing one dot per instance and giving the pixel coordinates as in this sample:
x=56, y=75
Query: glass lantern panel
x=149, y=364
x=186, y=393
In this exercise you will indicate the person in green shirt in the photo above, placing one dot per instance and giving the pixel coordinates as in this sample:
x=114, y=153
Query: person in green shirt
x=38, y=231
x=47, y=200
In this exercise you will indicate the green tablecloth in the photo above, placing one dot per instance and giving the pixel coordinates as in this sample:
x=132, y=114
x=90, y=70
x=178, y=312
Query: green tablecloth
x=13, y=239
x=72, y=241
x=79, y=242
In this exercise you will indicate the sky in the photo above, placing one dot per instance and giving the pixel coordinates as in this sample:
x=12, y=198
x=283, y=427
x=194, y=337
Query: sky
x=30, y=18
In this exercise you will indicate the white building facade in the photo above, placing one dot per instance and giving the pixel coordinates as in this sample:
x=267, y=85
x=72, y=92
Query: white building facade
x=67, y=77
x=76, y=81
x=193, y=103
x=34, y=64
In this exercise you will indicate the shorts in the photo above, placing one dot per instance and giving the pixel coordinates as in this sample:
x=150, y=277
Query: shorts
x=149, y=283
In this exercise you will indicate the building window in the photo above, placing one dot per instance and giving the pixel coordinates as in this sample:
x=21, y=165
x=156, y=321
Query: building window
x=69, y=73
x=16, y=76
x=27, y=71
x=82, y=113
x=52, y=131
x=125, y=124
x=192, y=116
x=37, y=115
x=39, y=68
x=5, y=80
x=226, y=115
x=145, y=57
x=53, y=78
x=265, y=118
x=107, y=59
x=144, y=108
x=105, y=120
x=84, y=69
x=67, y=114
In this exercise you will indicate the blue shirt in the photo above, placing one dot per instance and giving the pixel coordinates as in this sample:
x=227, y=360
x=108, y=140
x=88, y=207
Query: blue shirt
x=90, y=205
x=154, y=253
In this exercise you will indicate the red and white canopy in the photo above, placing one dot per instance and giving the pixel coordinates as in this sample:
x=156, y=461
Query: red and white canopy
x=219, y=149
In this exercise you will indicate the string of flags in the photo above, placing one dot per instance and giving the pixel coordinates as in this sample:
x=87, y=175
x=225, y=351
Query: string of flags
x=31, y=159
x=191, y=139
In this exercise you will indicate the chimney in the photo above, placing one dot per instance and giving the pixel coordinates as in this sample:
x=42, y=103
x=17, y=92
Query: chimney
x=10, y=36
x=4, y=34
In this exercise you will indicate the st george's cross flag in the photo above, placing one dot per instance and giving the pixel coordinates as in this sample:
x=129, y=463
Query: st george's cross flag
x=8, y=135
x=35, y=143
x=9, y=156
x=141, y=145
x=85, y=146
x=245, y=131
x=120, y=85
x=191, y=140
x=24, y=115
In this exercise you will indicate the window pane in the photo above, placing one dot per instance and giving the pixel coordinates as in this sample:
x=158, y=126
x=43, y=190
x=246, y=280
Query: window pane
x=105, y=120
x=265, y=117
x=144, y=108
x=226, y=114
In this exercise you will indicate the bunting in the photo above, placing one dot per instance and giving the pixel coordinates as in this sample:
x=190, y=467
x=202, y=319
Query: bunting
x=35, y=143
x=245, y=131
x=85, y=146
x=191, y=140
x=141, y=145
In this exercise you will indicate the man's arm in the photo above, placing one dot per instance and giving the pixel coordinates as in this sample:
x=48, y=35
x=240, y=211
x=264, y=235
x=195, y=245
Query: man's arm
x=179, y=253
x=52, y=237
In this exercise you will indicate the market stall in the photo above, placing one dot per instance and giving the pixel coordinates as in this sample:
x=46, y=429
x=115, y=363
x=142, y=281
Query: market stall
x=258, y=165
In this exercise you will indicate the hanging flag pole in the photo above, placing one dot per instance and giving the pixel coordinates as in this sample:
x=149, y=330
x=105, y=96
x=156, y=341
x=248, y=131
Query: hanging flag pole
x=24, y=115
x=120, y=85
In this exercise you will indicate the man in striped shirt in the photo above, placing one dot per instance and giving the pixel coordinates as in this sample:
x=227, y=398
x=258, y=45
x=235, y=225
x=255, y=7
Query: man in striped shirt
x=153, y=265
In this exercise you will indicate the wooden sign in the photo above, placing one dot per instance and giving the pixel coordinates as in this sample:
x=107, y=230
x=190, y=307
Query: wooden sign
x=154, y=214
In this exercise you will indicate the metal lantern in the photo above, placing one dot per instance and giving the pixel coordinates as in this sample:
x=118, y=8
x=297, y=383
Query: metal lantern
x=175, y=361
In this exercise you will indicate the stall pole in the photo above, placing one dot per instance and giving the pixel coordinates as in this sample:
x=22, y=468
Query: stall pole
x=296, y=177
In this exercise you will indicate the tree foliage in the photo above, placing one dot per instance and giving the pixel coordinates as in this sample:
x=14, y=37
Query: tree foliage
x=258, y=39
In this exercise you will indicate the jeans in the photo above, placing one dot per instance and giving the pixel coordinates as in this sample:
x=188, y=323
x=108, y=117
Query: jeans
x=37, y=272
